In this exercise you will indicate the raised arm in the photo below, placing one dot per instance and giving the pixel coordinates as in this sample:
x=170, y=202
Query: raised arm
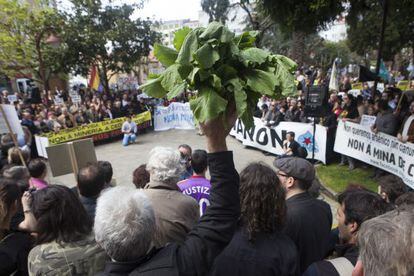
x=216, y=227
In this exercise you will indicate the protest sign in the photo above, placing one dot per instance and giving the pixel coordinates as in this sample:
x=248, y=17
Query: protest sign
x=12, y=119
x=58, y=100
x=69, y=157
x=357, y=86
x=380, y=150
x=403, y=85
x=12, y=98
x=270, y=139
x=75, y=97
x=80, y=132
x=367, y=120
x=176, y=115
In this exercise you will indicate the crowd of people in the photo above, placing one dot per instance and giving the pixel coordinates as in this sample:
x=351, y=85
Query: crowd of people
x=173, y=220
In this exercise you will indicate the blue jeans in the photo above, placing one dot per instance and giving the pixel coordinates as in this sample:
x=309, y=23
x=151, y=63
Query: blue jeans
x=128, y=138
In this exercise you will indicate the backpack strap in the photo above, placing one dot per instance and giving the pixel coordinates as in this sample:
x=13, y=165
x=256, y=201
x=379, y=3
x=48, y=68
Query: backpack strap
x=343, y=266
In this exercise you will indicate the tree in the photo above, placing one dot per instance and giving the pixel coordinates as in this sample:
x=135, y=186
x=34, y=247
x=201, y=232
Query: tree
x=364, y=23
x=300, y=18
x=24, y=31
x=106, y=37
x=216, y=9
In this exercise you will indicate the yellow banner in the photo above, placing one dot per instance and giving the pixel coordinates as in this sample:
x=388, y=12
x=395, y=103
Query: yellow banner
x=403, y=85
x=357, y=85
x=80, y=132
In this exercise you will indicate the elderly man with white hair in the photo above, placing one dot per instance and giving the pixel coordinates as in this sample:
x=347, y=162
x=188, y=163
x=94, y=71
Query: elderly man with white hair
x=175, y=212
x=125, y=222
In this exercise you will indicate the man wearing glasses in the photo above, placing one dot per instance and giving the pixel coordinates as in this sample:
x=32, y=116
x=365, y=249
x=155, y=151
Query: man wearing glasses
x=309, y=220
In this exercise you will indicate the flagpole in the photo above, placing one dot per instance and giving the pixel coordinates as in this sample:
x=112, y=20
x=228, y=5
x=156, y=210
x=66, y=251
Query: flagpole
x=381, y=45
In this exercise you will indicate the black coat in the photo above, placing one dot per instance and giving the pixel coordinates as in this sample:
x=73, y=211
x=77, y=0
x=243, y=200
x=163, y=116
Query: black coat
x=309, y=222
x=322, y=268
x=270, y=254
x=207, y=239
x=14, y=249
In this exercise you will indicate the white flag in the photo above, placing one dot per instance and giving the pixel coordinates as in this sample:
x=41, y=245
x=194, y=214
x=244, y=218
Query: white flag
x=333, y=82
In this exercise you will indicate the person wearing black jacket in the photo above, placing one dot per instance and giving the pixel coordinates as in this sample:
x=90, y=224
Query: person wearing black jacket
x=259, y=247
x=207, y=239
x=356, y=207
x=309, y=220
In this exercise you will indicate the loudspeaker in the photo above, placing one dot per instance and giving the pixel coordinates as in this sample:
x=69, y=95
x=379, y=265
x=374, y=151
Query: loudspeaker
x=316, y=101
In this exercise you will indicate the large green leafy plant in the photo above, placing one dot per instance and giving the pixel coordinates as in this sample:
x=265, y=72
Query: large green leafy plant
x=221, y=68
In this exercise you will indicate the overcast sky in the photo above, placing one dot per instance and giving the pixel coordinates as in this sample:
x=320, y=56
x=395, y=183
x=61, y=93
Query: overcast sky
x=158, y=9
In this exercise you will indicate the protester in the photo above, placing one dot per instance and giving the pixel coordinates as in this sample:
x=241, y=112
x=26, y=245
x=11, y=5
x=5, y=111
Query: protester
x=309, y=220
x=293, y=113
x=14, y=245
x=356, y=206
x=38, y=171
x=130, y=240
x=290, y=146
x=387, y=245
x=185, y=153
x=350, y=113
x=129, y=130
x=106, y=168
x=176, y=213
x=390, y=187
x=405, y=200
x=90, y=183
x=66, y=245
x=259, y=247
x=15, y=154
x=406, y=132
x=140, y=176
x=197, y=186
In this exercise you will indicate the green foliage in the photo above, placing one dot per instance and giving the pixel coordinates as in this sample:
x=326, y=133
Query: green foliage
x=305, y=16
x=165, y=55
x=364, y=19
x=179, y=37
x=106, y=36
x=216, y=9
x=224, y=68
x=24, y=30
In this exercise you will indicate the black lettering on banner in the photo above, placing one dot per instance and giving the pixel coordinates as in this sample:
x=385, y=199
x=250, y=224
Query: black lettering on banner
x=239, y=127
x=401, y=162
x=355, y=144
x=265, y=139
x=410, y=169
x=274, y=137
x=368, y=151
x=250, y=132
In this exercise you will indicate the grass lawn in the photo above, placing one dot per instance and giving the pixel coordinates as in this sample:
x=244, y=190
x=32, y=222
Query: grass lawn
x=337, y=177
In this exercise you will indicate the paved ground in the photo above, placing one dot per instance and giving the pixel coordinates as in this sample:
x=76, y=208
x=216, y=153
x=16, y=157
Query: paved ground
x=125, y=159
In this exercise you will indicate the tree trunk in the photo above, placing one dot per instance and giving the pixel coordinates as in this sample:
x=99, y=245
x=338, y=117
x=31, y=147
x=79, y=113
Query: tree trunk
x=298, y=47
x=103, y=76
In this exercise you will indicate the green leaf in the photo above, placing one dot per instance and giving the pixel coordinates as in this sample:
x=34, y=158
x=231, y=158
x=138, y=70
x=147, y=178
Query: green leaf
x=213, y=30
x=287, y=62
x=193, y=75
x=206, y=56
x=261, y=82
x=190, y=45
x=165, y=55
x=215, y=82
x=154, y=88
x=246, y=39
x=240, y=96
x=179, y=37
x=208, y=104
x=176, y=91
x=226, y=72
x=226, y=35
x=255, y=55
x=171, y=77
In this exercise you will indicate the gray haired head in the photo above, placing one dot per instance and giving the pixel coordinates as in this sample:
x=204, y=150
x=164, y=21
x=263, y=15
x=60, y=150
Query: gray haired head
x=164, y=164
x=124, y=223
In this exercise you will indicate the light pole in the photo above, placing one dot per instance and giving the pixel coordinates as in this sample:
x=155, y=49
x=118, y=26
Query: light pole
x=381, y=44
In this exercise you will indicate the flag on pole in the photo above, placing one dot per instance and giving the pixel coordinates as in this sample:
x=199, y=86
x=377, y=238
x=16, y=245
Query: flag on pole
x=383, y=73
x=333, y=82
x=94, y=81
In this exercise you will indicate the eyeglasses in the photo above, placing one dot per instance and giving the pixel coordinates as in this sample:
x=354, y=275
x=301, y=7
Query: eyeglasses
x=281, y=174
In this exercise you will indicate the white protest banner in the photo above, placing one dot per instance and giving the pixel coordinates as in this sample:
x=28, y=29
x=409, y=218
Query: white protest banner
x=271, y=139
x=367, y=120
x=58, y=100
x=380, y=150
x=12, y=98
x=176, y=115
x=76, y=98
x=12, y=118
